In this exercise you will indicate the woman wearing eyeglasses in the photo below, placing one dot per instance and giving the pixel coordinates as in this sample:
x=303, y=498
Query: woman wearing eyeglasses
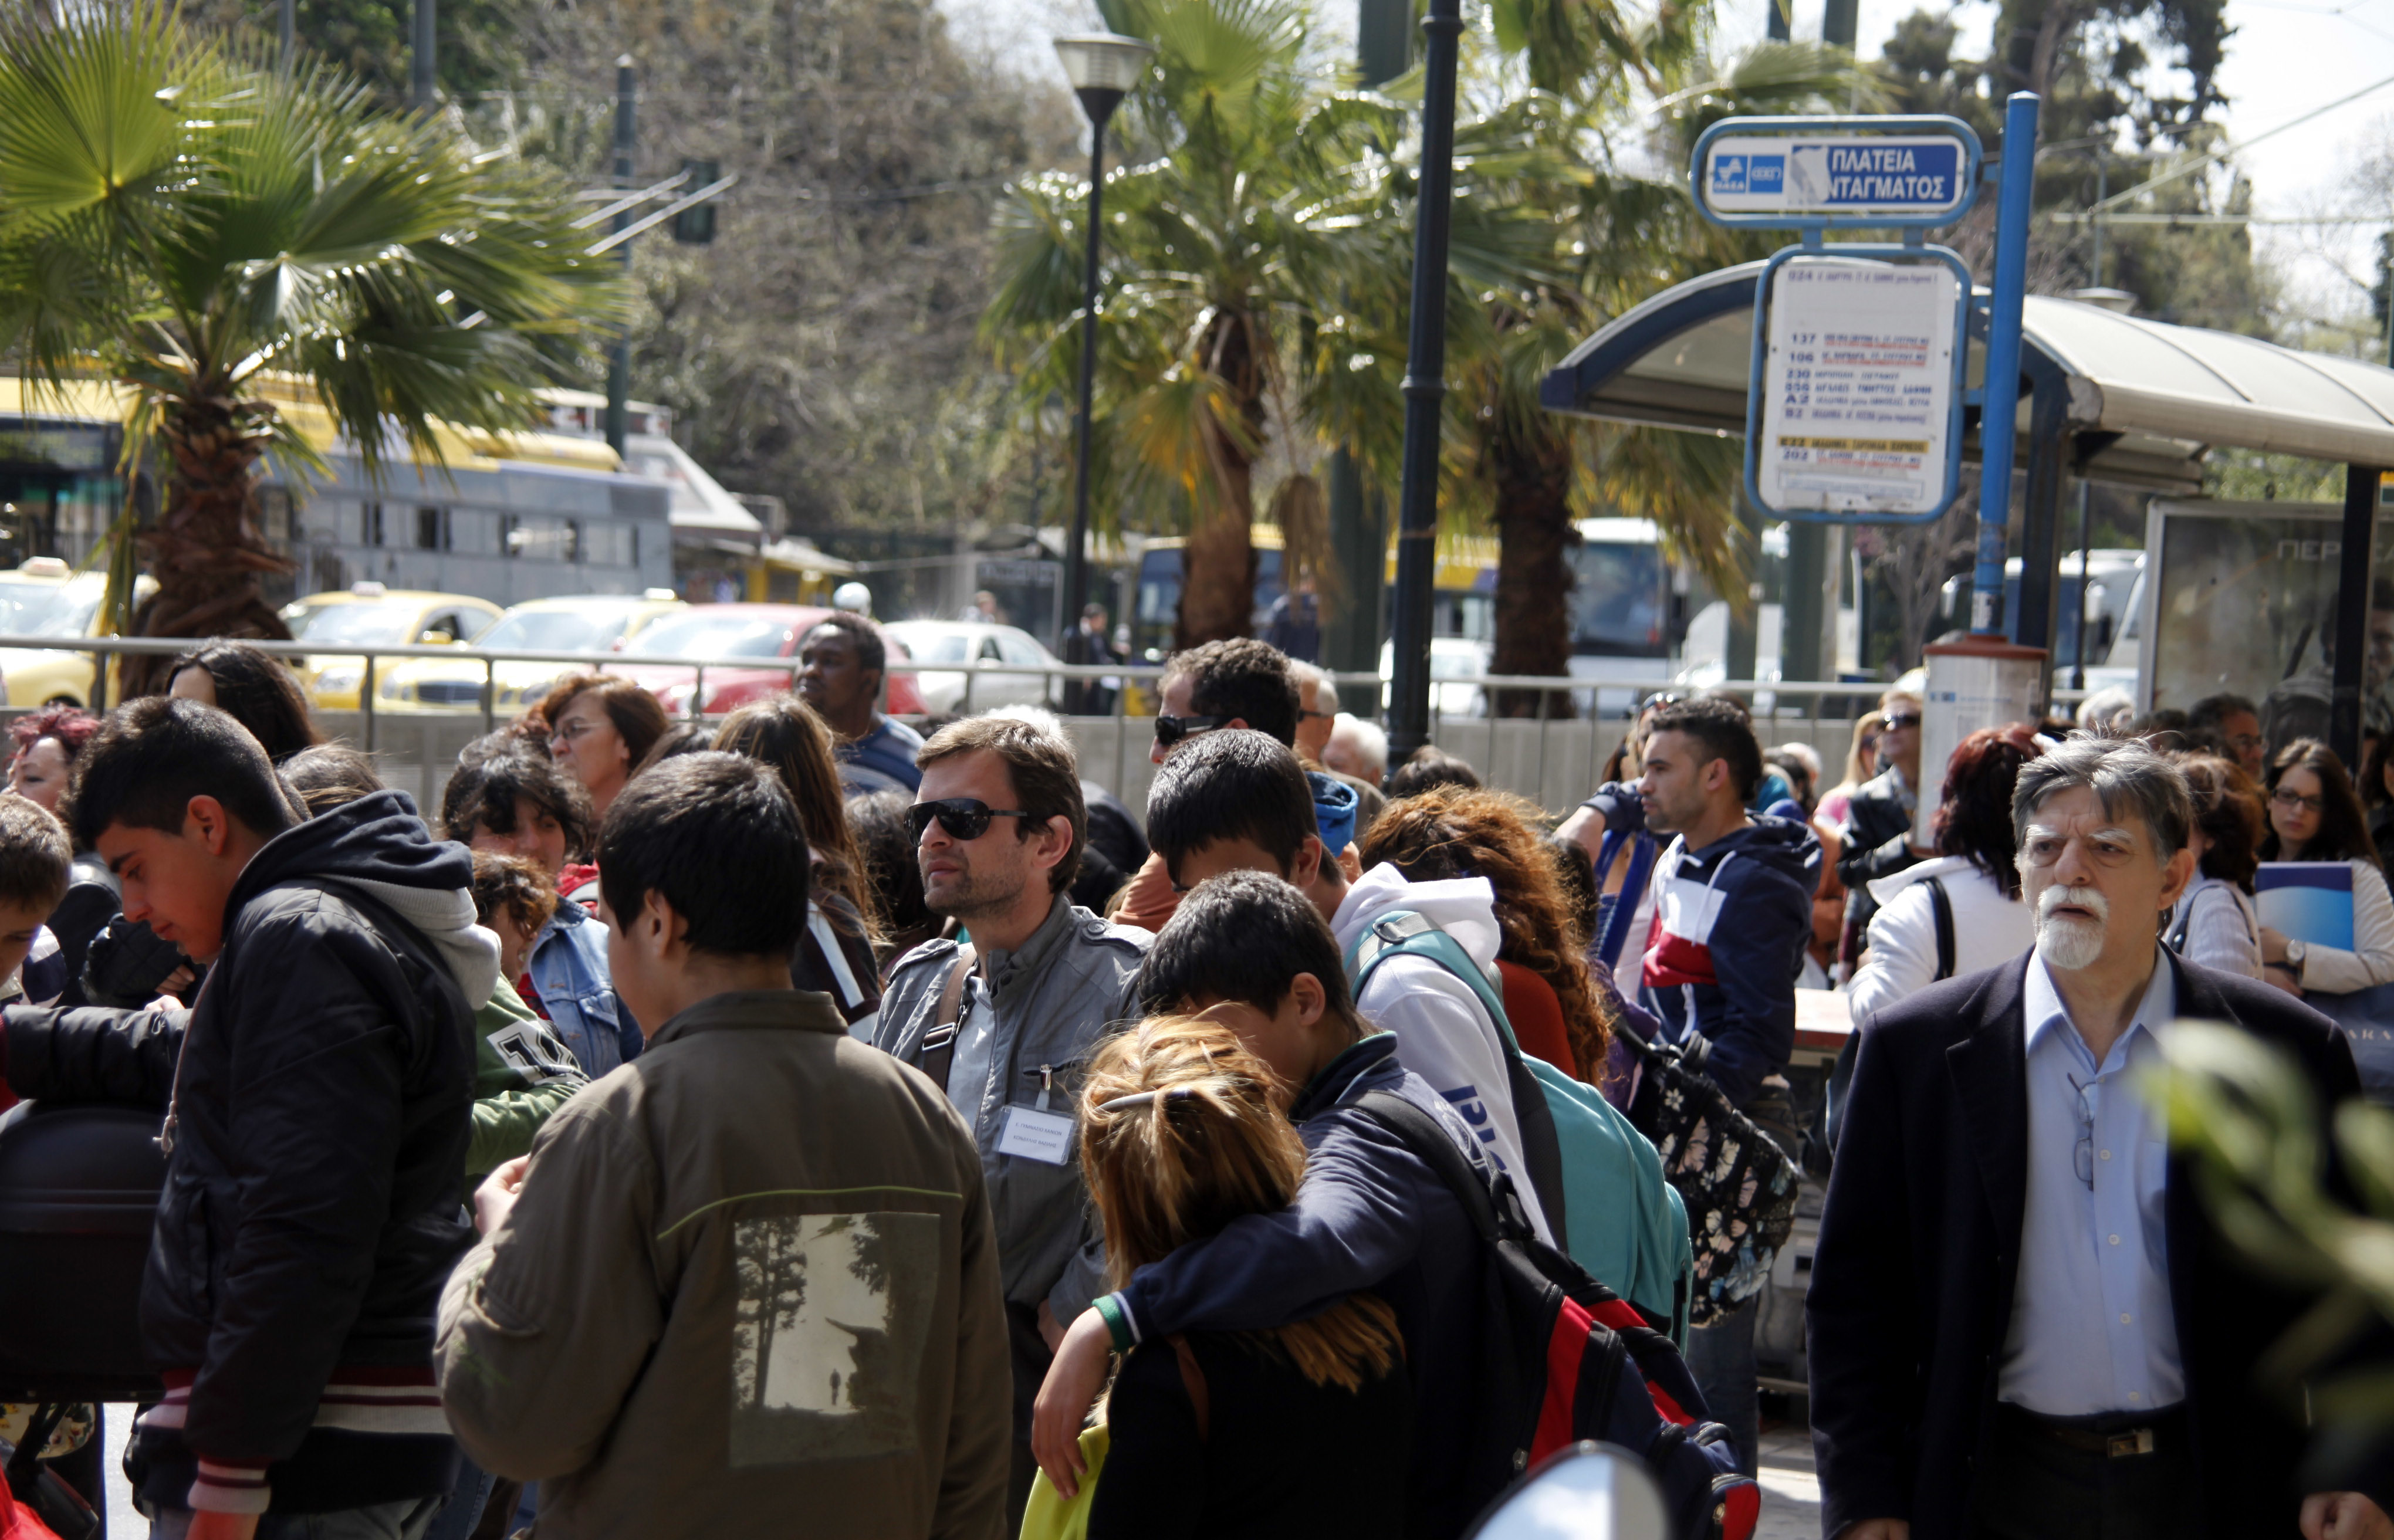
x=2315, y=816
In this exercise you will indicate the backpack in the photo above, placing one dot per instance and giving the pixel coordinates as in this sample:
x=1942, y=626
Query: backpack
x=1569, y=1359
x=1738, y=1184
x=1618, y=1217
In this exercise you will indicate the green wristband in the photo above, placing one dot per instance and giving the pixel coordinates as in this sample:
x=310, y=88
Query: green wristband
x=1117, y=1323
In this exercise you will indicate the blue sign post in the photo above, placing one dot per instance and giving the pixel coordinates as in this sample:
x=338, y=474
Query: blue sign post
x=1855, y=413
x=1999, y=413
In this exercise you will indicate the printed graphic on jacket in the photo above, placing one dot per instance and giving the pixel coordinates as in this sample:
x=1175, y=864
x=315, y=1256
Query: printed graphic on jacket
x=533, y=1052
x=827, y=1344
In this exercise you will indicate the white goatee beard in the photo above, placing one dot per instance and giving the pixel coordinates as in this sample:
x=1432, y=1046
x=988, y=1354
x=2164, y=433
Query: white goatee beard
x=2068, y=942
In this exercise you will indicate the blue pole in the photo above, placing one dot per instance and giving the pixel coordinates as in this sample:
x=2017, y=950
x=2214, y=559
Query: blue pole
x=2001, y=397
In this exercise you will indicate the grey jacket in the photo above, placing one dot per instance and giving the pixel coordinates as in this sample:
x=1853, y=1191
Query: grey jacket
x=1055, y=997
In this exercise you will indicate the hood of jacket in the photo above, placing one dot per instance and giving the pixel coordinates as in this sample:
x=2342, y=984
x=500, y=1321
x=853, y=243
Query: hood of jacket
x=1462, y=907
x=1335, y=806
x=380, y=846
x=1770, y=844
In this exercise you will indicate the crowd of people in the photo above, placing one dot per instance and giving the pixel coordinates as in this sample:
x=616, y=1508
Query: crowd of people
x=809, y=1123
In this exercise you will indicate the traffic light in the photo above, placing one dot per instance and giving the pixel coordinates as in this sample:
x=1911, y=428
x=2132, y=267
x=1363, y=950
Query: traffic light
x=695, y=226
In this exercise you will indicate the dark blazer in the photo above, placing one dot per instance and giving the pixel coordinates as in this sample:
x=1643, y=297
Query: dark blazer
x=1911, y=1295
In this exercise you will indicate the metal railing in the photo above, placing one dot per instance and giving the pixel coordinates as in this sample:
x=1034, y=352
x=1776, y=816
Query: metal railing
x=1814, y=707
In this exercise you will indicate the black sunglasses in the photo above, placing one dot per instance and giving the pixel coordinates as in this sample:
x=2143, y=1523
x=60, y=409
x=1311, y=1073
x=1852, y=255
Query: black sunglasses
x=963, y=817
x=1171, y=729
x=1893, y=723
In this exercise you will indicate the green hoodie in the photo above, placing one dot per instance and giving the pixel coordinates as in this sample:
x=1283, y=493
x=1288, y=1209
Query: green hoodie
x=522, y=1075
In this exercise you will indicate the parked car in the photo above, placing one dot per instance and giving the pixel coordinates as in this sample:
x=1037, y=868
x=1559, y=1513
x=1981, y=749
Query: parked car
x=760, y=631
x=368, y=614
x=1450, y=658
x=956, y=641
x=46, y=598
x=580, y=623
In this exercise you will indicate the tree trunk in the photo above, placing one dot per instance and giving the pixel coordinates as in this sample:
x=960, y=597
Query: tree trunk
x=1531, y=468
x=206, y=550
x=1218, y=585
x=1217, y=566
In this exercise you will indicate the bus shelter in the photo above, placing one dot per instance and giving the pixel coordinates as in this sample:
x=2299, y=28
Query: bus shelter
x=2106, y=396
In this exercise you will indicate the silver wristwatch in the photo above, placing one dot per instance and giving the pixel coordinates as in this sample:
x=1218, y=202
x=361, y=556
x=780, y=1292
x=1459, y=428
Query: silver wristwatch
x=2297, y=950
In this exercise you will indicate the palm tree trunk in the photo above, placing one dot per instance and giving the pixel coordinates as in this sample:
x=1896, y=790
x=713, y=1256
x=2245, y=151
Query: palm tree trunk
x=206, y=549
x=1218, y=585
x=1217, y=593
x=1532, y=469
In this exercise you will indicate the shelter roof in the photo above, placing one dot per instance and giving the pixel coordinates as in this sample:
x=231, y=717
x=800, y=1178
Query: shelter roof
x=2148, y=399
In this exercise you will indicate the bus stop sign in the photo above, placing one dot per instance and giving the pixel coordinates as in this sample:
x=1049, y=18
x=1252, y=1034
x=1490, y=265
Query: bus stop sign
x=1837, y=173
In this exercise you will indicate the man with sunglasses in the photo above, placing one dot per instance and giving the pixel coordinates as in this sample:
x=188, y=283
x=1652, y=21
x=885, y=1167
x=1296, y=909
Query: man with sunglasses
x=1219, y=687
x=2024, y=1323
x=1877, y=832
x=1004, y=1021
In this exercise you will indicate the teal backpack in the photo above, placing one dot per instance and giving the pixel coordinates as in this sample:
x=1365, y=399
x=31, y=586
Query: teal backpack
x=1622, y=1221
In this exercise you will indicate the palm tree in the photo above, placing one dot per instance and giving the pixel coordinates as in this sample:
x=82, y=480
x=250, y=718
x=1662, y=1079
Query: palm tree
x=1217, y=250
x=227, y=243
x=1616, y=238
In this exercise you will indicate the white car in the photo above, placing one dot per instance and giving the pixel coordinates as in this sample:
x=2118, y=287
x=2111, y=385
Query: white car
x=956, y=643
x=1450, y=658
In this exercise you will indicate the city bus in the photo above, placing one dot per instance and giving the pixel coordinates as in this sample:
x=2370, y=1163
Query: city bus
x=511, y=517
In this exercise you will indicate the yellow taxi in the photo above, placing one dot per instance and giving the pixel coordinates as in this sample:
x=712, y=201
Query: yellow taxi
x=46, y=598
x=576, y=623
x=368, y=614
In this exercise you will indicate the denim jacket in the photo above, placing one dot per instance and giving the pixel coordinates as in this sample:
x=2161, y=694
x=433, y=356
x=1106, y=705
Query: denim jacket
x=1055, y=996
x=568, y=967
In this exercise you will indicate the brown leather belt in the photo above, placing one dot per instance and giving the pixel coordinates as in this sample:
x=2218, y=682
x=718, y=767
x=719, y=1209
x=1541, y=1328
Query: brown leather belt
x=2113, y=1436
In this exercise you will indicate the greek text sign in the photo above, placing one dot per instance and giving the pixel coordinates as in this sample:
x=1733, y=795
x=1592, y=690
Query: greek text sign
x=1857, y=415
x=1771, y=176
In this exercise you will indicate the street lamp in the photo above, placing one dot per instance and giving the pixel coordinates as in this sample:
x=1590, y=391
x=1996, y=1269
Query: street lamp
x=1102, y=68
x=1425, y=388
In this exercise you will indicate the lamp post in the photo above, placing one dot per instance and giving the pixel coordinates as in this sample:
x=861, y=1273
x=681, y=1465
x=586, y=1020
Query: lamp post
x=1102, y=68
x=1425, y=388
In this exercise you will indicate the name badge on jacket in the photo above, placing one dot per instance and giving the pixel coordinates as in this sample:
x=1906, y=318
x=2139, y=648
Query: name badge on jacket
x=1036, y=1135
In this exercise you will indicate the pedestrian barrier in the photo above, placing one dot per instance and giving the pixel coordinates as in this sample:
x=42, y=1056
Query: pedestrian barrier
x=1551, y=760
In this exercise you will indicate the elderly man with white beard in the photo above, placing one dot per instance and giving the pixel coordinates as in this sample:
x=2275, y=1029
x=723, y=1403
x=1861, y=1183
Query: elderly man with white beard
x=2024, y=1325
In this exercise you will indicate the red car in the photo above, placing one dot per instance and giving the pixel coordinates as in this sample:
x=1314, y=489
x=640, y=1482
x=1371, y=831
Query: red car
x=760, y=631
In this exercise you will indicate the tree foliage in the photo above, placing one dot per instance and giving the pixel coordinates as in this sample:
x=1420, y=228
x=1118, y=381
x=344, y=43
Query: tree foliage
x=225, y=240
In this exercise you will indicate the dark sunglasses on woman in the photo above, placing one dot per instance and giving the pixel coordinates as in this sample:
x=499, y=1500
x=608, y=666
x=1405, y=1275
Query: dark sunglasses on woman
x=965, y=818
x=1171, y=729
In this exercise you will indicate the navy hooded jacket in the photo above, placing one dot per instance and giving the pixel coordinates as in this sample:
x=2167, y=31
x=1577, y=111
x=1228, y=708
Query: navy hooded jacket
x=1731, y=923
x=1369, y=1214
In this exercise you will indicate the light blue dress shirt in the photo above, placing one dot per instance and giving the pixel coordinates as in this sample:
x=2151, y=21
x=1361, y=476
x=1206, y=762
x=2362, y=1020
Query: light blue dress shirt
x=2092, y=1330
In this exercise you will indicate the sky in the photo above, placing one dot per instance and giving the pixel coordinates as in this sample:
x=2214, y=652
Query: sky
x=2286, y=59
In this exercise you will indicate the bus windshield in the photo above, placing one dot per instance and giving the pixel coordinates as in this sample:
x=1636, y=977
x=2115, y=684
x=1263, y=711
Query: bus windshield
x=1618, y=605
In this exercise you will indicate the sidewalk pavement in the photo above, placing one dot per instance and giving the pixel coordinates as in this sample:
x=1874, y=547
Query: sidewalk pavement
x=1791, y=1493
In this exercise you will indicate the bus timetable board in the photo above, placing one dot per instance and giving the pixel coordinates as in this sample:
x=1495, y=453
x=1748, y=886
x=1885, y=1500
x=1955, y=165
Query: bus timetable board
x=1858, y=386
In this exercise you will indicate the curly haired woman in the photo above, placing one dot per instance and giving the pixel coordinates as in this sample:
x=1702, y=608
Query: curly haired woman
x=1465, y=832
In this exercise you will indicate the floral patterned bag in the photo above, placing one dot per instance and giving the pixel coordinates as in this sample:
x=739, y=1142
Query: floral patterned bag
x=1738, y=1186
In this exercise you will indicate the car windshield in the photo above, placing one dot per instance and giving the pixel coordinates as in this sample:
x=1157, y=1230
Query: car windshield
x=938, y=647
x=356, y=624
x=712, y=636
x=47, y=609
x=556, y=631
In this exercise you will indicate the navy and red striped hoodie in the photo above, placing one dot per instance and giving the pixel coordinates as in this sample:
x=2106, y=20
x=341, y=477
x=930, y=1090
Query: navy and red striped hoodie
x=1730, y=921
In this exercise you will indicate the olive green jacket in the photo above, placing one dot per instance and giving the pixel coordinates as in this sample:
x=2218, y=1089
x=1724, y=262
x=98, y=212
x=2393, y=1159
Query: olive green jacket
x=749, y=1288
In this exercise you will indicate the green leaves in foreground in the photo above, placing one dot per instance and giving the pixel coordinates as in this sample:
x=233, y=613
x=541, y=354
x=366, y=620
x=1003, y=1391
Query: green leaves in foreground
x=2245, y=1118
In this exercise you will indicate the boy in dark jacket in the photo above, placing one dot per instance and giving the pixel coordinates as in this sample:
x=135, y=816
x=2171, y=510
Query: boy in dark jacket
x=1250, y=950
x=316, y=1126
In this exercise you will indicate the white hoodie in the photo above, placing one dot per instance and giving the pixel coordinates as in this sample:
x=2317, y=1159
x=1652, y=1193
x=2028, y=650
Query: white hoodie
x=1443, y=1033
